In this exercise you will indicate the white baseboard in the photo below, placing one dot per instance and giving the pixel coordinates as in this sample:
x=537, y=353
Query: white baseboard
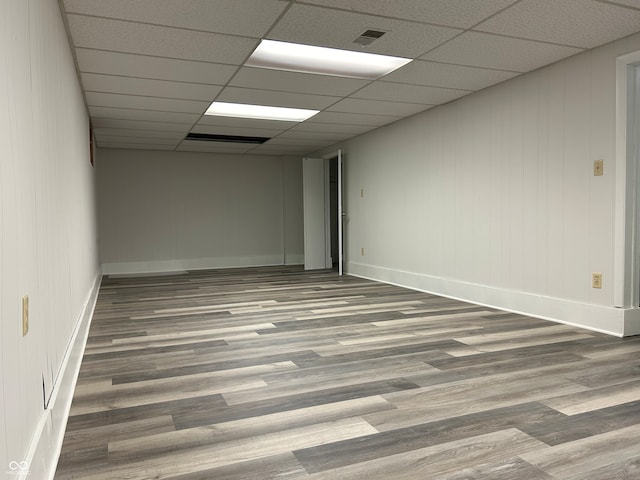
x=180, y=265
x=611, y=320
x=632, y=322
x=295, y=259
x=44, y=450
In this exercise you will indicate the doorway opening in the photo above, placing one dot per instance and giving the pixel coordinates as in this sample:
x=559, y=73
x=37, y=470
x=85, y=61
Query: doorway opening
x=323, y=213
x=633, y=158
x=627, y=184
x=331, y=190
x=626, y=284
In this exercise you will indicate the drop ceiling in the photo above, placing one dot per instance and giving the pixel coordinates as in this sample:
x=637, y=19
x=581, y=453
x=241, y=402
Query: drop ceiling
x=150, y=68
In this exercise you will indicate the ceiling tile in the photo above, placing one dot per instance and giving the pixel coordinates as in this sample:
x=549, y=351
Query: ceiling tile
x=262, y=78
x=577, y=23
x=277, y=99
x=222, y=130
x=128, y=37
x=502, y=53
x=420, y=72
x=325, y=136
x=132, y=125
x=127, y=132
x=355, y=118
x=130, y=65
x=146, y=115
x=280, y=150
x=245, y=122
x=338, y=29
x=217, y=147
x=136, y=146
x=630, y=3
x=457, y=13
x=145, y=103
x=142, y=139
x=376, y=107
x=236, y=17
x=398, y=92
x=294, y=148
x=154, y=88
x=297, y=142
x=332, y=128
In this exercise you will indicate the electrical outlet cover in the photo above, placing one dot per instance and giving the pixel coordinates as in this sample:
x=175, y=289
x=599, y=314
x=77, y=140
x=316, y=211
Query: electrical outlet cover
x=25, y=315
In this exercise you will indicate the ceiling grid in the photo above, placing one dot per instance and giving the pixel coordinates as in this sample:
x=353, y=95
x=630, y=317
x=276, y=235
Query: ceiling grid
x=151, y=68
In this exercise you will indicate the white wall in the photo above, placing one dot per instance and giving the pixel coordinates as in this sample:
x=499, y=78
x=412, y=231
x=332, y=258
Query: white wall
x=491, y=198
x=170, y=211
x=48, y=236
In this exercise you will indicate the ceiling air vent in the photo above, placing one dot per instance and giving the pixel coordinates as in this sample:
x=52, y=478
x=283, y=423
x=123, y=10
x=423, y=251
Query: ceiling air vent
x=368, y=36
x=226, y=138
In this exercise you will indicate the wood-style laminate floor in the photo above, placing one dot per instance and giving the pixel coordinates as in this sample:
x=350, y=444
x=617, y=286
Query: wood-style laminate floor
x=276, y=373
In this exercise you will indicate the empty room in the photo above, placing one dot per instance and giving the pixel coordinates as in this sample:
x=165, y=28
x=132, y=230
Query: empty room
x=319, y=239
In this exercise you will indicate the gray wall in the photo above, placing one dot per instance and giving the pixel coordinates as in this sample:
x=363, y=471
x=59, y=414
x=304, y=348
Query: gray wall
x=48, y=241
x=170, y=211
x=492, y=198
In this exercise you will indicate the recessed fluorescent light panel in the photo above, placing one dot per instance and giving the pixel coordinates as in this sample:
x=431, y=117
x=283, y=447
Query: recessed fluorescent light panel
x=260, y=112
x=321, y=60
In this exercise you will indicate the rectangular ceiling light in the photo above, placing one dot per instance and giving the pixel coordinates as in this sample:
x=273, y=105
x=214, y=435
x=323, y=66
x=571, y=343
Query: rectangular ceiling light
x=321, y=60
x=260, y=112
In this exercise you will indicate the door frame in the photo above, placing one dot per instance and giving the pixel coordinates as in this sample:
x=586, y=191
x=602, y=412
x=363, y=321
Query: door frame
x=627, y=182
x=318, y=227
x=329, y=228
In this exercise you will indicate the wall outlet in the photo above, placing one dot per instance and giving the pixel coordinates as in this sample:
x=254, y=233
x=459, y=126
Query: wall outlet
x=598, y=168
x=25, y=315
x=362, y=251
x=596, y=280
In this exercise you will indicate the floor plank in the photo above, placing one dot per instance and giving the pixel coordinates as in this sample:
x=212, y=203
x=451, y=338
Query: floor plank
x=276, y=373
x=438, y=461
